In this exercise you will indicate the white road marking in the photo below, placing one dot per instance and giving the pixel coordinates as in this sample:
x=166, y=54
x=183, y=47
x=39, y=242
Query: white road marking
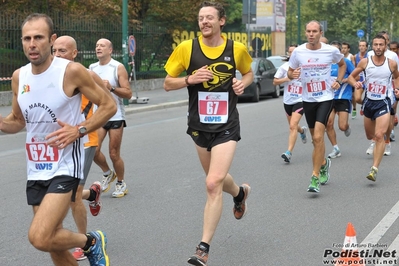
x=378, y=232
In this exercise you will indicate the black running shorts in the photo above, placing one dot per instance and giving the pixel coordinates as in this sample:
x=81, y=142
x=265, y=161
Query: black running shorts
x=37, y=189
x=293, y=108
x=114, y=124
x=317, y=112
x=342, y=105
x=208, y=140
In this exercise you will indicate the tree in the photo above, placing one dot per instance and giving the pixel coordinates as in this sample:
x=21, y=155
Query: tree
x=344, y=17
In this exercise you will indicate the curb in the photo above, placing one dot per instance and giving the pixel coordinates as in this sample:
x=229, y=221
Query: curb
x=133, y=110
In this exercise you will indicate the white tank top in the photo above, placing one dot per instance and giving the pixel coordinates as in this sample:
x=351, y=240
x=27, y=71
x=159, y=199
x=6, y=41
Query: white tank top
x=377, y=80
x=110, y=72
x=42, y=101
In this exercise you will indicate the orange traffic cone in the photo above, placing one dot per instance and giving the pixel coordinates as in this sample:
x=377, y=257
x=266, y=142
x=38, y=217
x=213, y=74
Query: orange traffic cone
x=350, y=253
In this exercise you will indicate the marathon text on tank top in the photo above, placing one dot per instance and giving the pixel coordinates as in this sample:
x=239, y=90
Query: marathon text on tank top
x=43, y=102
x=377, y=79
x=212, y=104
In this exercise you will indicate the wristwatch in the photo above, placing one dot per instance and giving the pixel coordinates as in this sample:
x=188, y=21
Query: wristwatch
x=112, y=89
x=339, y=82
x=82, y=131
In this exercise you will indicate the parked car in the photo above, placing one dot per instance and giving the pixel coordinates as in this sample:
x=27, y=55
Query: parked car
x=277, y=61
x=264, y=71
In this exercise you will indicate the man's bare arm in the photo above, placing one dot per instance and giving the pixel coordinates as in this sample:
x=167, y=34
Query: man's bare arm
x=14, y=122
x=83, y=81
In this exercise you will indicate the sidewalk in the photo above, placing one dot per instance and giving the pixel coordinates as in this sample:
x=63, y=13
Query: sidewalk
x=158, y=99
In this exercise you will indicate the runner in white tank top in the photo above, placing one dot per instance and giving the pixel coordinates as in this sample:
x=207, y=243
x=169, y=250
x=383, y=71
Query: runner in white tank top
x=390, y=134
x=46, y=100
x=116, y=80
x=376, y=107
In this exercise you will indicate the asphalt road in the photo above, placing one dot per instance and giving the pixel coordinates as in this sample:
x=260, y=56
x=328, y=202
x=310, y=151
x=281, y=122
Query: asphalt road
x=160, y=221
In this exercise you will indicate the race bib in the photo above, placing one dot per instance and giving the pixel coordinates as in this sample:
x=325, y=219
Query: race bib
x=316, y=86
x=213, y=107
x=41, y=156
x=41, y=152
x=295, y=88
x=377, y=88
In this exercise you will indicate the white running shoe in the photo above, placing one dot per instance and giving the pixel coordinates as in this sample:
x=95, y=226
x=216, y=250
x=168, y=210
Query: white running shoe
x=286, y=156
x=120, y=190
x=370, y=150
x=387, y=151
x=304, y=138
x=107, y=179
x=348, y=132
x=335, y=153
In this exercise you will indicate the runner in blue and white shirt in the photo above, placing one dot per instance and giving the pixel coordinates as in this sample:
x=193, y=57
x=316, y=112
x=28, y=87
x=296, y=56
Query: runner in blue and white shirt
x=341, y=105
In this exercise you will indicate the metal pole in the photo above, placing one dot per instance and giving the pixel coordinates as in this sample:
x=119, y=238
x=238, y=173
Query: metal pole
x=299, y=22
x=124, y=40
x=368, y=21
x=249, y=22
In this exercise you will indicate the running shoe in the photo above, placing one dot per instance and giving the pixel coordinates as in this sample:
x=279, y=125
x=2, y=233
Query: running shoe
x=335, y=153
x=314, y=185
x=395, y=122
x=353, y=114
x=200, y=257
x=107, y=179
x=120, y=190
x=97, y=253
x=286, y=156
x=348, y=132
x=304, y=138
x=392, y=135
x=324, y=173
x=95, y=205
x=387, y=151
x=370, y=150
x=372, y=174
x=240, y=208
x=78, y=254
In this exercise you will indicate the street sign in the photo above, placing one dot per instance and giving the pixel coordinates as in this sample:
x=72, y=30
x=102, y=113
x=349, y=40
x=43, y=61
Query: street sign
x=132, y=45
x=360, y=33
x=324, y=25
